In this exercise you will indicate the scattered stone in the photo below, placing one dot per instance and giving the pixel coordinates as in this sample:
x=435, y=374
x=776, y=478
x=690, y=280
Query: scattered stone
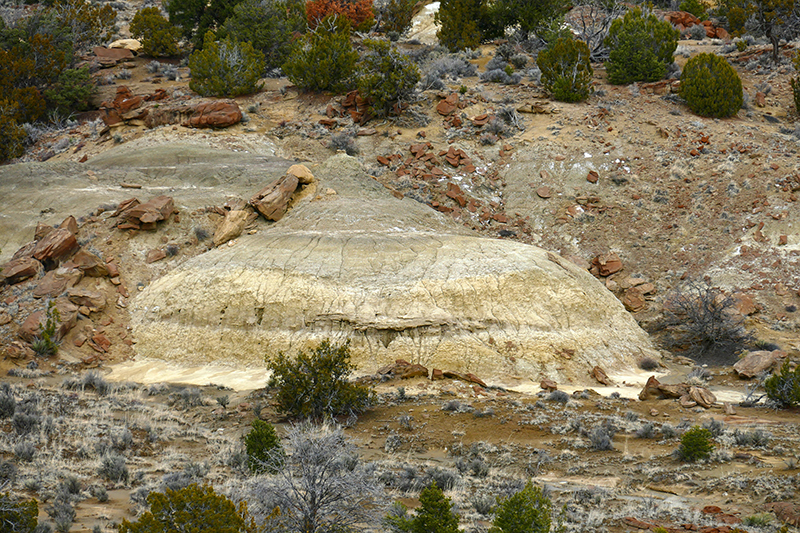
x=134, y=45
x=57, y=245
x=56, y=282
x=115, y=54
x=70, y=224
x=600, y=375
x=702, y=396
x=79, y=340
x=544, y=192
x=633, y=300
x=102, y=341
x=20, y=269
x=135, y=215
x=217, y=114
x=273, y=200
x=448, y=105
x=232, y=225
x=592, y=177
x=42, y=230
x=755, y=363
x=154, y=255
x=19, y=350
x=414, y=371
x=788, y=512
x=607, y=264
x=89, y=264
x=548, y=385
x=437, y=374
x=301, y=172
x=687, y=402
x=86, y=297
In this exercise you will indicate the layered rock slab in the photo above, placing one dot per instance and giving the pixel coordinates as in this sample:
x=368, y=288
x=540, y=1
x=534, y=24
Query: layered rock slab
x=396, y=278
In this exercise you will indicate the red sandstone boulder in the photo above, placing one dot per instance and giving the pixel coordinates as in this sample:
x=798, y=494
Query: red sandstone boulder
x=20, y=269
x=217, y=114
x=273, y=200
x=57, y=245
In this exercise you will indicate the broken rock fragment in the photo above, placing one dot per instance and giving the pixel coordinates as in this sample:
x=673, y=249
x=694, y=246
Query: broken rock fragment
x=273, y=200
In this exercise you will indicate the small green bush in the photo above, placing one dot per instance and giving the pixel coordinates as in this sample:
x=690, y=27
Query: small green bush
x=527, y=511
x=72, y=91
x=225, y=68
x=315, y=385
x=566, y=70
x=12, y=136
x=711, y=86
x=435, y=514
x=193, y=508
x=641, y=47
x=396, y=16
x=46, y=342
x=386, y=77
x=784, y=388
x=269, y=25
x=325, y=59
x=696, y=445
x=264, y=449
x=458, y=22
x=158, y=36
x=697, y=8
x=18, y=517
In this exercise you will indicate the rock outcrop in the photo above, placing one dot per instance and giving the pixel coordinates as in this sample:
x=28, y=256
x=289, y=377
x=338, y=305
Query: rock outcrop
x=396, y=278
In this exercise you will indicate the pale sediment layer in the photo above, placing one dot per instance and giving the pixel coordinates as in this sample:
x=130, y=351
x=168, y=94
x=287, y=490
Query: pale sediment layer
x=399, y=281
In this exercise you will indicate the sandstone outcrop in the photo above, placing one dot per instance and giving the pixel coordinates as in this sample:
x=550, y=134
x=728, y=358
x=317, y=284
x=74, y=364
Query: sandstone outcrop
x=396, y=278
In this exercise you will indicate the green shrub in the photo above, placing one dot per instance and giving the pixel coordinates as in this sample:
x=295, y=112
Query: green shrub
x=697, y=8
x=12, y=135
x=527, y=511
x=784, y=388
x=193, y=508
x=396, y=16
x=324, y=60
x=72, y=91
x=386, y=77
x=435, y=514
x=195, y=18
x=711, y=87
x=458, y=24
x=46, y=342
x=696, y=445
x=566, y=70
x=18, y=517
x=88, y=23
x=640, y=48
x=528, y=16
x=264, y=449
x=225, y=68
x=314, y=385
x=268, y=25
x=158, y=36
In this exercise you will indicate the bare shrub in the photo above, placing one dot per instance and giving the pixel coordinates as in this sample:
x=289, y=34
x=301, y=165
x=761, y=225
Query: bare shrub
x=648, y=364
x=320, y=484
x=600, y=439
x=698, y=321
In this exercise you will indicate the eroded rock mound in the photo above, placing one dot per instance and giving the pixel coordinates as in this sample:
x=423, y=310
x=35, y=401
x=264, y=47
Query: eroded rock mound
x=399, y=280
